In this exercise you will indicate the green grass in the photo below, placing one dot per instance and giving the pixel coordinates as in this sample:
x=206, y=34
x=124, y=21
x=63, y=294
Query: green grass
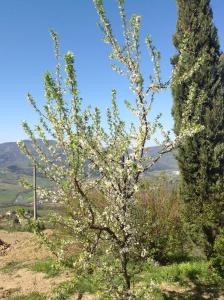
x=32, y=296
x=80, y=284
x=27, y=196
x=8, y=193
x=197, y=277
x=46, y=266
x=10, y=187
x=197, y=272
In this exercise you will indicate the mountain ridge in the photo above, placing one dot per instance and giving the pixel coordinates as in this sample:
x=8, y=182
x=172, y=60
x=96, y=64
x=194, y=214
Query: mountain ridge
x=12, y=159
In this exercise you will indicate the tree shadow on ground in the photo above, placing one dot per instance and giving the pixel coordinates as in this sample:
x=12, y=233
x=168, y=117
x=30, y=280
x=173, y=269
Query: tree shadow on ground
x=195, y=293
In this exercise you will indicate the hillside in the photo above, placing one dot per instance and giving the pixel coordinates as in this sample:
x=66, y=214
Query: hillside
x=16, y=162
x=14, y=165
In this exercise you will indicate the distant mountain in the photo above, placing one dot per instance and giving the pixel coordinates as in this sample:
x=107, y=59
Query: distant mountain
x=12, y=159
x=14, y=165
x=10, y=155
x=167, y=162
x=16, y=162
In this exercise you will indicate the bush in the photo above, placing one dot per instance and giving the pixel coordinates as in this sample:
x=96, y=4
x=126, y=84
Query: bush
x=218, y=257
x=163, y=229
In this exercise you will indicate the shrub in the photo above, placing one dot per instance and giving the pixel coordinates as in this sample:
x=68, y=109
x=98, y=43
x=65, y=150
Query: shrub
x=163, y=229
x=218, y=256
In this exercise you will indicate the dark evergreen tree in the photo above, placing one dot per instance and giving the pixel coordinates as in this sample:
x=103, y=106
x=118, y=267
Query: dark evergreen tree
x=198, y=92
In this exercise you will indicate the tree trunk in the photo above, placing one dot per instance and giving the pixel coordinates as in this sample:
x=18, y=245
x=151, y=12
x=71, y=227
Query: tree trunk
x=126, y=276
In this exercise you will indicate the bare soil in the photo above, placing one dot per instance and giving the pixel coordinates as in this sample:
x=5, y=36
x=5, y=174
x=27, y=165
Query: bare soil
x=23, y=248
x=193, y=292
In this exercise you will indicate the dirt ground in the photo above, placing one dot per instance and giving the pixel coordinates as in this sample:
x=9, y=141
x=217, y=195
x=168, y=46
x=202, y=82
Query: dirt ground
x=194, y=293
x=22, y=247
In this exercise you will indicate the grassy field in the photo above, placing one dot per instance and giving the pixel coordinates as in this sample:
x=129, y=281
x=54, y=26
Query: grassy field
x=11, y=191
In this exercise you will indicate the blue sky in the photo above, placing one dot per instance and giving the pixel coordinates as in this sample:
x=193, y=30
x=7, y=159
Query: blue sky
x=26, y=52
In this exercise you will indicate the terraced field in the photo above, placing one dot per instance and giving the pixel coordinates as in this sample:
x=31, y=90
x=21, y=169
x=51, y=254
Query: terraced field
x=12, y=192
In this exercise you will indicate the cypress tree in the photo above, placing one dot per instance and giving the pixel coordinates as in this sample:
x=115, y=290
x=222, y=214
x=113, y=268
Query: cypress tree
x=198, y=93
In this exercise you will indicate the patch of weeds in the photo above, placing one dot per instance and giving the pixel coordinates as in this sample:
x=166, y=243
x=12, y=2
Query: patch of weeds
x=11, y=266
x=197, y=276
x=197, y=272
x=79, y=284
x=158, y=295
x=47, y=266
x=32, y=296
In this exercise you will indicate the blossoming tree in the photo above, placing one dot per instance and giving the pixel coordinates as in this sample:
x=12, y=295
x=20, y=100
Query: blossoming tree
x=84, y=156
